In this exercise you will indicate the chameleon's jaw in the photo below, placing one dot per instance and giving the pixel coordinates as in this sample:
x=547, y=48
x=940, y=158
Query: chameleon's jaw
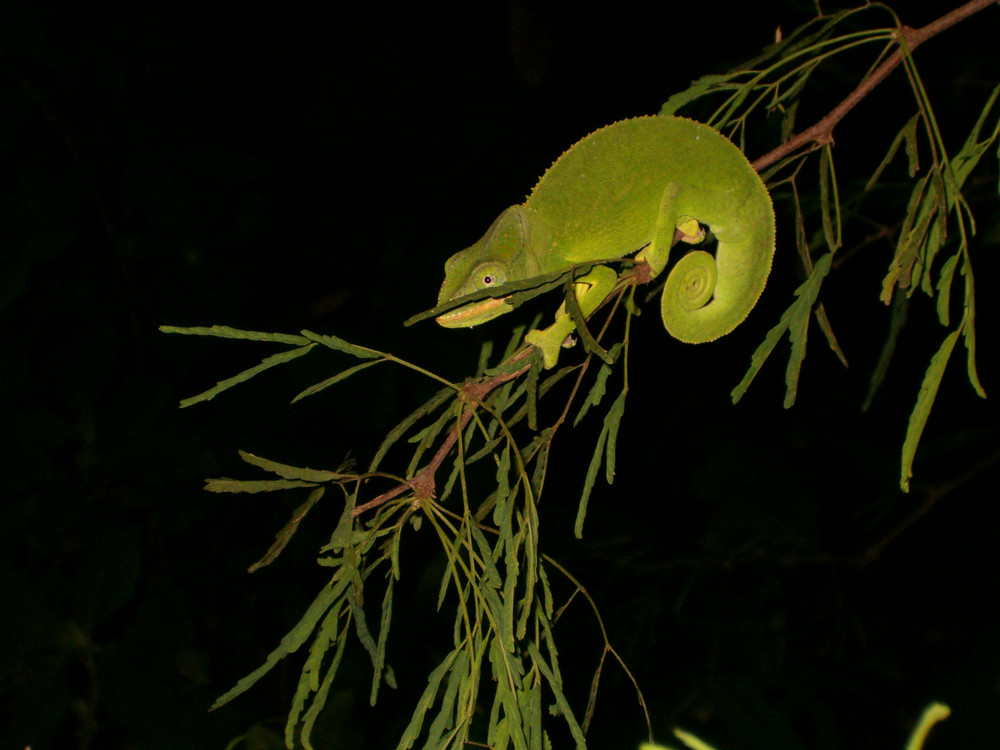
x=474, y=313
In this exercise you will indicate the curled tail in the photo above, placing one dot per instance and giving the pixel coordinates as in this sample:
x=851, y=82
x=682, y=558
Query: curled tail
x=707, y=296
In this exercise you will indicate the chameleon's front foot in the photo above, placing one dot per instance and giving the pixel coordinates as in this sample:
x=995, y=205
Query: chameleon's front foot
x=591, y=290
x=550, y=340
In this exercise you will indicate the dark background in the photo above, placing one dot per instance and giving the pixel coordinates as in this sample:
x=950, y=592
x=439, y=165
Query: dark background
x=303, y=167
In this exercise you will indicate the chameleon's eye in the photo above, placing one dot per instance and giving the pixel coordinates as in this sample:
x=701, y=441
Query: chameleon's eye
x=489, y=275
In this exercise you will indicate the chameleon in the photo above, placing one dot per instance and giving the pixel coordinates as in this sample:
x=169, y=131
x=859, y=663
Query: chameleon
x=631, y=188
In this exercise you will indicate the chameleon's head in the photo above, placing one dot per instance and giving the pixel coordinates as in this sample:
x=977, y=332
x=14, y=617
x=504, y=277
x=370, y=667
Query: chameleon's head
x=500, y=256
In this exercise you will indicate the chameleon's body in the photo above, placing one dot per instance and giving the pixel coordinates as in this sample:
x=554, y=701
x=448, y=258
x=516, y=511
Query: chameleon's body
x=627, y=188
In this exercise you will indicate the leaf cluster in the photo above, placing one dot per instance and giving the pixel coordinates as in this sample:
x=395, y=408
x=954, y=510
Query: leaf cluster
x=505, y=610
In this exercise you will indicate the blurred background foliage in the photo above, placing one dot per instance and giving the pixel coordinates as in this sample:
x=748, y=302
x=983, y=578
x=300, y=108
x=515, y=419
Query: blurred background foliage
x=285, y=167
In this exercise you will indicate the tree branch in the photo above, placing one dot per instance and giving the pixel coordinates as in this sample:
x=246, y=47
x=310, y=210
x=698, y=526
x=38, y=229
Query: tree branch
x=909, y=38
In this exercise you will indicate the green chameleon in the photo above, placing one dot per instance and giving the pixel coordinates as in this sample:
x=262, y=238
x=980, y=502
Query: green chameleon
x=631, y=187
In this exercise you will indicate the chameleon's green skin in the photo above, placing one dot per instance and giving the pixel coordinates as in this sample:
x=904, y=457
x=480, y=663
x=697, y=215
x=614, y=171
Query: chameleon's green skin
x=624, y=188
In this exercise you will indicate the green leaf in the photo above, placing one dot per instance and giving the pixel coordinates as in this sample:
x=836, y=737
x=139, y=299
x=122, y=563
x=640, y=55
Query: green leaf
x=445, y=718
x=492, y=577
x=501, y=513
x=292, y=472
x=599, y=387
x=613, y=421
x=541, y=461
x=589, y=480
x=342, y=375
x=412, y=730
x=922, y=408
x=701, y=87
x=828, y=185
x=292, y=640
x=383, y=637
x=531, y=392
x=485, y=351
x=283, y=537
x=507, y=671
x=533, y=287
x=908, y=135
x=265, y=364
x=790, y=96
x=590, y=344
x=561, y=702
x=897, y=320
x=965, y=160
x=801, y=38
x=253, y=486
x=969, y=328
x=309, y=679
x=796, y=319
x=338, y=344
x=945, y=195
x=361, y=623
x=530, y=702
x=944, y=288
x=235, y=333
x=905, y=255
x=321, y=695
x=827, y=329
x=403, y=426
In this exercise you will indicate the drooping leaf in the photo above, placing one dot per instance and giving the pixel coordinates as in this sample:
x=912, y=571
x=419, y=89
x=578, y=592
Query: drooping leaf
x=507, y=671
x=922, y=408
x=613, y=420
x=378, y=665
x=829, y=200
x=908, y=135
x=897, y=320
x=597, y=390
x=319, y=701
x=590, y=344
x=445, y=718
x=309, y=680
x=293, y=639
x=412, y=731
x=944, y=289
x=969, y=329
x=556, y=688
x=283, y=537
x=797, y=316
x=589, y=480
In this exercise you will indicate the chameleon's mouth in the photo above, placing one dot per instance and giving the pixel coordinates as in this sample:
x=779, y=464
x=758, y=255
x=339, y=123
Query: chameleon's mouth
x=474, y=313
